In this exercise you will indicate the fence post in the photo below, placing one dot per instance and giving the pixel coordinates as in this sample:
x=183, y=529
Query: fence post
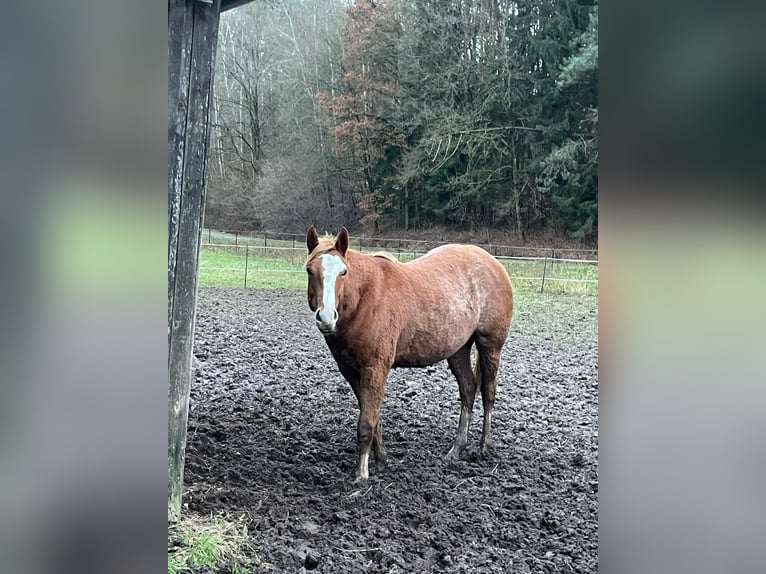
x=545, y=267
x=265, y=239
x=208, y=235
x=247, y=254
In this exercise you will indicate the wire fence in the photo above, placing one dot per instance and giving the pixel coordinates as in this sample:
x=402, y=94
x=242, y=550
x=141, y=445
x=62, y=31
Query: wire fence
x=266, y=259
x=363, y=243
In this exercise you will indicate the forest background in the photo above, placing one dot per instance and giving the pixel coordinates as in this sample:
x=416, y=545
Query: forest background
x=397, y=117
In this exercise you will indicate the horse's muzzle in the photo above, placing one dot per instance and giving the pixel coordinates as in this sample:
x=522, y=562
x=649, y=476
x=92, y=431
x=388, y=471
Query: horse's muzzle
x=325, y=326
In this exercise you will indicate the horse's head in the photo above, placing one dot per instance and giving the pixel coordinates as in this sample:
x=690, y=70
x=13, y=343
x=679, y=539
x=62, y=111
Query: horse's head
x=326, y=268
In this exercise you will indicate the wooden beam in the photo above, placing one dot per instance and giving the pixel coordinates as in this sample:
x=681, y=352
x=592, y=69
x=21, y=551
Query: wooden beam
x=192, y=37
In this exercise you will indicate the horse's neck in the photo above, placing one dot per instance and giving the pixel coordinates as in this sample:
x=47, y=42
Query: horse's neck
x=362, y=274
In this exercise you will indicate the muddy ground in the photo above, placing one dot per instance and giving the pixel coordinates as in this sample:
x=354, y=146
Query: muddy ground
x=272, y=434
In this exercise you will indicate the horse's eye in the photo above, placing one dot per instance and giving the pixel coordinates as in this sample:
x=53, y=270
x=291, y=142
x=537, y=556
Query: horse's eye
x=344, y=272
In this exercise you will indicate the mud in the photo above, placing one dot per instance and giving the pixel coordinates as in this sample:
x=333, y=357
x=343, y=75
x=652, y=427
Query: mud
x=272, y=435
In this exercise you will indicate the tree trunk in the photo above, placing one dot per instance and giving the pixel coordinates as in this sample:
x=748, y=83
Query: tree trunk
x=406, y=207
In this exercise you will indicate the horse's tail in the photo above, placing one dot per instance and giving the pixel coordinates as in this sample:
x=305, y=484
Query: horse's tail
x=476, y=369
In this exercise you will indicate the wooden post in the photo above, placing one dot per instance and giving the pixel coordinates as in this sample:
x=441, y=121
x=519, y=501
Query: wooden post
x=247, y=256
x=545, y=266
x=192, y=37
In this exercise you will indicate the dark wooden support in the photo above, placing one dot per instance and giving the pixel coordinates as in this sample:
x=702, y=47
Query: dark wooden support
x=192, y=37
x=229, y=4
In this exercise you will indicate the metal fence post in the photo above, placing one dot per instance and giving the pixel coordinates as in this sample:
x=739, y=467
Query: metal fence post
x=265, y=239
x=545, y=267
x=247, y=253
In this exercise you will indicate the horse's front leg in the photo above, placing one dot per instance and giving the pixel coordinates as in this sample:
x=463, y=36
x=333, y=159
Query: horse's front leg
x=372, y=387
x=378, y=448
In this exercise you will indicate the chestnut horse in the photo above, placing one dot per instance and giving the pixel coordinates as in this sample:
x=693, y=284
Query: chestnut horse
x=377, y=314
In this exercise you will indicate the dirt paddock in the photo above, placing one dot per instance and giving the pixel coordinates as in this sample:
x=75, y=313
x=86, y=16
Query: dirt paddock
x=272, y=436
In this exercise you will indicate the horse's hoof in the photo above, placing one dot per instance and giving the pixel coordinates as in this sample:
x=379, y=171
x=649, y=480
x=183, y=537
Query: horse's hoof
x=486, y=450
x=453, y=454
x=360, y=479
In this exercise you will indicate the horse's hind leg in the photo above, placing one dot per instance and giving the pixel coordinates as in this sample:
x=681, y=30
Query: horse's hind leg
x=489, y=361
x=460, y=365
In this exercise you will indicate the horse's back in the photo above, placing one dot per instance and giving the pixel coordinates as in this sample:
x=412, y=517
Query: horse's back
x=458, y=254
x=454, y=264
x=462, y=288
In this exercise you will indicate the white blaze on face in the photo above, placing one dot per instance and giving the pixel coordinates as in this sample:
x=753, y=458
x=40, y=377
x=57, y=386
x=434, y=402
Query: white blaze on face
x=332, y=266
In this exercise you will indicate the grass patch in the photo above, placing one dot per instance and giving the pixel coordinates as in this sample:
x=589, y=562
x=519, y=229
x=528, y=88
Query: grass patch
x=198, y=544
x=175, y=565
x=563, y=319
x=255, y=239
x=225, y=267
x=560, y=277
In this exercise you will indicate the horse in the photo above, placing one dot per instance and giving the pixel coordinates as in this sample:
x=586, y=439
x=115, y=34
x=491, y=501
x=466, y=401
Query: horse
x=376, y=314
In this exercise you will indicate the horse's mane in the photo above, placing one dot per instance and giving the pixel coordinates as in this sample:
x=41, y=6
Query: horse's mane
x=327, y=242
x=384, y=255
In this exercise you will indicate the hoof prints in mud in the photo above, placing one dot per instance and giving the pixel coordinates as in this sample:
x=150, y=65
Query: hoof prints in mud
x=272, y=434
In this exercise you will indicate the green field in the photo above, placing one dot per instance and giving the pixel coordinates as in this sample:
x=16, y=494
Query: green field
x=275, y=267
x=225, y=267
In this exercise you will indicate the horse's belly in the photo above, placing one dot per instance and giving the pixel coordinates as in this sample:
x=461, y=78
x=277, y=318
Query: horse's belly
x=424, y=348
x=415, y=364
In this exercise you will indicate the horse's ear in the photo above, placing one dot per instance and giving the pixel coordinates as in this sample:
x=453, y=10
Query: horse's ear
x=341, y=242
x=312, y=239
